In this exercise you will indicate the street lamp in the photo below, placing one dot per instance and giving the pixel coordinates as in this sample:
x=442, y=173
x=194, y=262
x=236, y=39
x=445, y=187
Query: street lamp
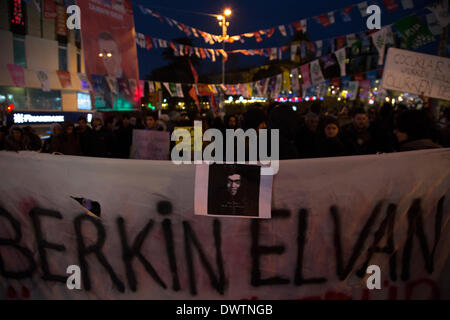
x=224, y=24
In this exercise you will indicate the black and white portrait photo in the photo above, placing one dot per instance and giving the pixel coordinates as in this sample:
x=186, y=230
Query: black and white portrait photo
x=232, y=190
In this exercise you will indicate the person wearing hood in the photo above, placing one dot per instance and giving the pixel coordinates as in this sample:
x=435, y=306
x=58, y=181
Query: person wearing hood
x=16, y=140
x=70, y=142
x=35, y=143
x=52, y=143
x=414, y=130
x=101, y=139
x=330, y=145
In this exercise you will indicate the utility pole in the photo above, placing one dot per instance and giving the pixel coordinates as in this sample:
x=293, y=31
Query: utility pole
x=224, y=24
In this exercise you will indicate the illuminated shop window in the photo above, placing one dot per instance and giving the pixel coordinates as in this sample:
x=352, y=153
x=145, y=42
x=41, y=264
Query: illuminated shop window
x=15, y=96
x=84, y=101
x=41, y=100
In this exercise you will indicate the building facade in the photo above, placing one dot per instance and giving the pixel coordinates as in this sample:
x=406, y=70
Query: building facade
x=36, y=38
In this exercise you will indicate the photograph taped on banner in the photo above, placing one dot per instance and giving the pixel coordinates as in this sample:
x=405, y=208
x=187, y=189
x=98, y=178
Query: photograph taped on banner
x=232, y=190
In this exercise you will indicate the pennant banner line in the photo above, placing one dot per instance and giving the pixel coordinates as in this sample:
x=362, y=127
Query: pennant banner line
x=325, y=19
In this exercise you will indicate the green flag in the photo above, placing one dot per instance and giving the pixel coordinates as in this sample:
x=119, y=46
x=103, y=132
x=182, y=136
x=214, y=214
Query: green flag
x=415, y=32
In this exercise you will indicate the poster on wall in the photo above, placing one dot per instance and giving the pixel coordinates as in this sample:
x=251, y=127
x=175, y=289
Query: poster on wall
x=110, y=49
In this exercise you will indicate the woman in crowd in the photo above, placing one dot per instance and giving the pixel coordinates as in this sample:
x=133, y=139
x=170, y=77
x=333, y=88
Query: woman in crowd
x=52, y=143
x=16, y=140
x=70, y=141
x=330, y=145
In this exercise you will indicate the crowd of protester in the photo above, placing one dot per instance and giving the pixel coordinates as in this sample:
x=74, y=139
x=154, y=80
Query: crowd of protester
x=313, y=134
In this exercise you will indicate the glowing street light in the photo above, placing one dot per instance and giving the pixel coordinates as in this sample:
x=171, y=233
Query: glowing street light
x=227, y=12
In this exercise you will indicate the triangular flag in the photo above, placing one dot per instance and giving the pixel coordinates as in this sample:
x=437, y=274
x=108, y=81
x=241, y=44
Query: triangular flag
x=17, y=75
x=194, y=96
x=273, y=53
x=297, y=25
x=166, y=85
x=407, y=4
x=316, y=72
x=319, y=44
x=294, y=48
x=341, y=56
x=390, y=5
x=353, y=87
x=270, y=32
x=379, y=41
x=345, y=13
x=324, y=20
x=303, y=24
x=179, y=90
x=440, y=10
x=362, y=6
x=295, y=86
x=331, y=17
x=433, y=24
x=282, y=30
x=351, y=38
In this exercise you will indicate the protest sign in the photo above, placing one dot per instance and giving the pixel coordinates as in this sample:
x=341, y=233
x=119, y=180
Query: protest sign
x=150, y=145
x=417, y=73
x=331, y=218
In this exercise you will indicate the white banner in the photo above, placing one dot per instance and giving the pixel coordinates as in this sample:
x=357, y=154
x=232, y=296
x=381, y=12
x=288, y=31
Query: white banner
x=331, y=217
x=417, y=73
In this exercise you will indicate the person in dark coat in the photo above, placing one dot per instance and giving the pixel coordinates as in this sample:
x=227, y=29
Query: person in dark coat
x=414, y=130
x=70, y=142
x=330, y=145
x=3, y=134
x=16, y=140
x=444, y=132
x=84, y=132
x=383, y=129
x=286, y=120
x=52, y=143
x=101, y=139
x=123, y=138
x=308, y=136
x=34, y=142
x=356, y=136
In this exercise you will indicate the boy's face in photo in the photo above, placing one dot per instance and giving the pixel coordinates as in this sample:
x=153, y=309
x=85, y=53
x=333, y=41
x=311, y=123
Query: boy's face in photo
x=233, y=184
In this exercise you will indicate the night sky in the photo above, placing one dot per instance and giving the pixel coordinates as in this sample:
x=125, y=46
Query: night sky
x=250, y=16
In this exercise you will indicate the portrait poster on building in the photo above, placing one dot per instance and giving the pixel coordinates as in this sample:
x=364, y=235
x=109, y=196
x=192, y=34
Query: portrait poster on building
x=109, y=49
x=232, y=190
x=150, y=145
